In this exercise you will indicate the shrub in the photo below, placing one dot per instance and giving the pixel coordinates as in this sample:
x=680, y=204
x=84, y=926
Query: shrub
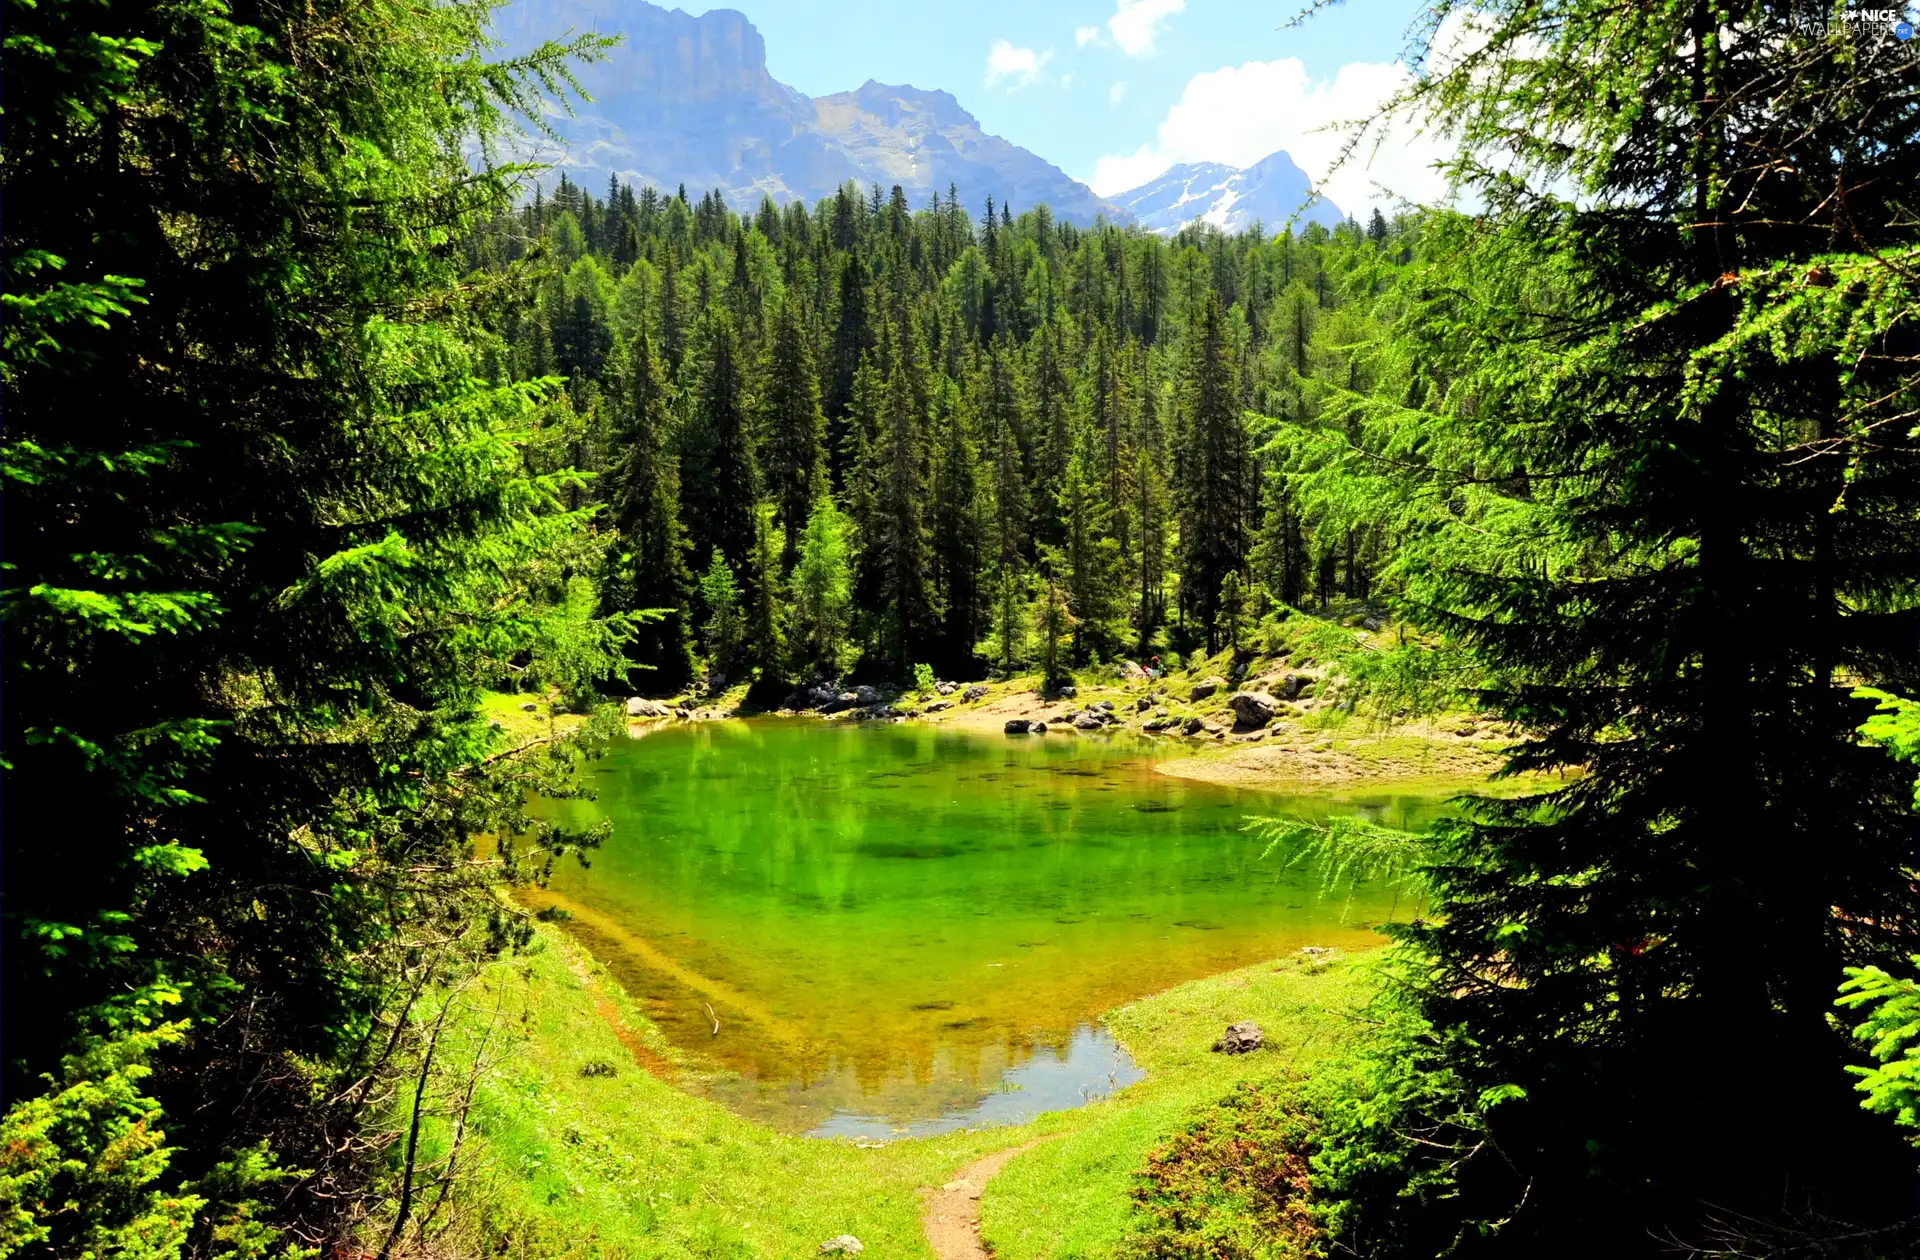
x=923, y=679
x=1234, y=1185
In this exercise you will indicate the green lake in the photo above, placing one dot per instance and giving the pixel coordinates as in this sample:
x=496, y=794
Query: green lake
x=902, y=929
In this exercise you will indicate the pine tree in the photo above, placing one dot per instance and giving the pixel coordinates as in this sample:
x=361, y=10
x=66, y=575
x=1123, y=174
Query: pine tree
x=267, y=535
x=1211, y=472
x=1051, y=440
x=955, y=544
x=1052, y=621
x=822, y=584
x=795, y=442
x=853, y=340
x=725, y=631
x=719, y=484
x=1152, y=514
x=1088, y=559
x=644, y=495
x=898, y=542
x=1684, y=527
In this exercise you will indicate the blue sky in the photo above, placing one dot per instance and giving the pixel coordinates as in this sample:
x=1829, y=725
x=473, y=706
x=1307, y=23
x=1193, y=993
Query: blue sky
x=1113, y=91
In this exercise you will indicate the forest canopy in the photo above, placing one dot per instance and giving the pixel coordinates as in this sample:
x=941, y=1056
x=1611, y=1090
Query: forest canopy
x=321, y=426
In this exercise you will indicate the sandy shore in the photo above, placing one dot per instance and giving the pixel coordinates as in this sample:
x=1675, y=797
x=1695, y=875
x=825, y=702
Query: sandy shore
x=1293, y=752
x=1295, y=758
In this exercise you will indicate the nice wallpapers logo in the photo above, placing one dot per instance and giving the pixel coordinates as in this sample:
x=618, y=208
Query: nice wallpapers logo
x=1895, y=20
x=1820, y=19
x=1880, y=20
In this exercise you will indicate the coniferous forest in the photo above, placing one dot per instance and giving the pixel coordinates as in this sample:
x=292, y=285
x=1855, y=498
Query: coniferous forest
x=326, y=425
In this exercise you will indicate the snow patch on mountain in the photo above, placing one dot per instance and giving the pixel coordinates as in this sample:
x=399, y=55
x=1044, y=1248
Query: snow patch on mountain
x=1270, y=192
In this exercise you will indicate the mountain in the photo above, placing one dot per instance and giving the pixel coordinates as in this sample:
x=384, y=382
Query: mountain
x=1229, y=197
x=688, y=100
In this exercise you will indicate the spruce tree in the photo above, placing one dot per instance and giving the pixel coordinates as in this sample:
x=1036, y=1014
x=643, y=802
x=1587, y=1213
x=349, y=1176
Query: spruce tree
x=795, y=430
x=956, y=535
x=1087, y=561
x=268, y=533
x=643, y=492
x=1685, y=529
x=719, y=484
x=1211, y=472
x=898, y=542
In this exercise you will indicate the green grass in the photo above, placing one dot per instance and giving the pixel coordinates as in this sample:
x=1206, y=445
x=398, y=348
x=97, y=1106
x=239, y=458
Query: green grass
x=563, y=1164
x=1068, y=1197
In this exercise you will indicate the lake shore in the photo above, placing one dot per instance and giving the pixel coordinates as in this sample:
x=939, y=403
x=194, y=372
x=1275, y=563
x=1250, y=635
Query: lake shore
x=1306, y=745
x=580, y=1142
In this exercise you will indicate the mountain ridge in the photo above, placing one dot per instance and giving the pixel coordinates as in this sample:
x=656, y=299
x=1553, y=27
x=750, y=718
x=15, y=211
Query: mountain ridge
x=688, y=100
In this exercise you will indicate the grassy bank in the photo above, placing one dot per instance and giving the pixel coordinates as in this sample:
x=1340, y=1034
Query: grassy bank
x=578, y=1146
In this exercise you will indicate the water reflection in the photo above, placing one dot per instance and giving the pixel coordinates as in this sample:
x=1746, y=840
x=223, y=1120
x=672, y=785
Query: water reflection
x=1091, y=1066
x=891, y=924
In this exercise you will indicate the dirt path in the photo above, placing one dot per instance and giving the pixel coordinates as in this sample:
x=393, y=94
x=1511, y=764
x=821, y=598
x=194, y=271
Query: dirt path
x=951, y=1218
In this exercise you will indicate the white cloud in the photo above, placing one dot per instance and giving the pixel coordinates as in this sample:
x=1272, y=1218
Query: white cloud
x=1020, y=65
x=1135, y=23
x=1240, y=114
x=1084, y=35
x=1117, y=93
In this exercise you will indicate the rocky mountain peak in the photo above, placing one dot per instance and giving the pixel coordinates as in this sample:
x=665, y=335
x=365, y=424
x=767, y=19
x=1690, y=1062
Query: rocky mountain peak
x=894, y=104
x=688, y=100
x=1270, y=192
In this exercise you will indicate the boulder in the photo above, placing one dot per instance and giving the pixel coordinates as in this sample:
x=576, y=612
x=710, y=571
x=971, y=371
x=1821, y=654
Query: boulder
x=939, y=706
x=1192, y=726
x=1159, y=711
x=1253, y=708
x=641, y=707
x=1067, y=692
x=842, y=1245
x=1143, y=704
x=1157, y=724
x=1207, y=686
x=845, y=700
x=1295, y=686
x=1105, y=706
x=1018, y=726
x=973, y=693
x=1240, y=1038
x=1038, y=728
x=945, y=688
x=529, y=707
x=820, y=697
x=864, y=694
x=1087, y=722
x=1371, y=623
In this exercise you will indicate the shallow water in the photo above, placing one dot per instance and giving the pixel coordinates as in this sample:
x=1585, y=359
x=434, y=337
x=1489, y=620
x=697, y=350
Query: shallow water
x=906, y=930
